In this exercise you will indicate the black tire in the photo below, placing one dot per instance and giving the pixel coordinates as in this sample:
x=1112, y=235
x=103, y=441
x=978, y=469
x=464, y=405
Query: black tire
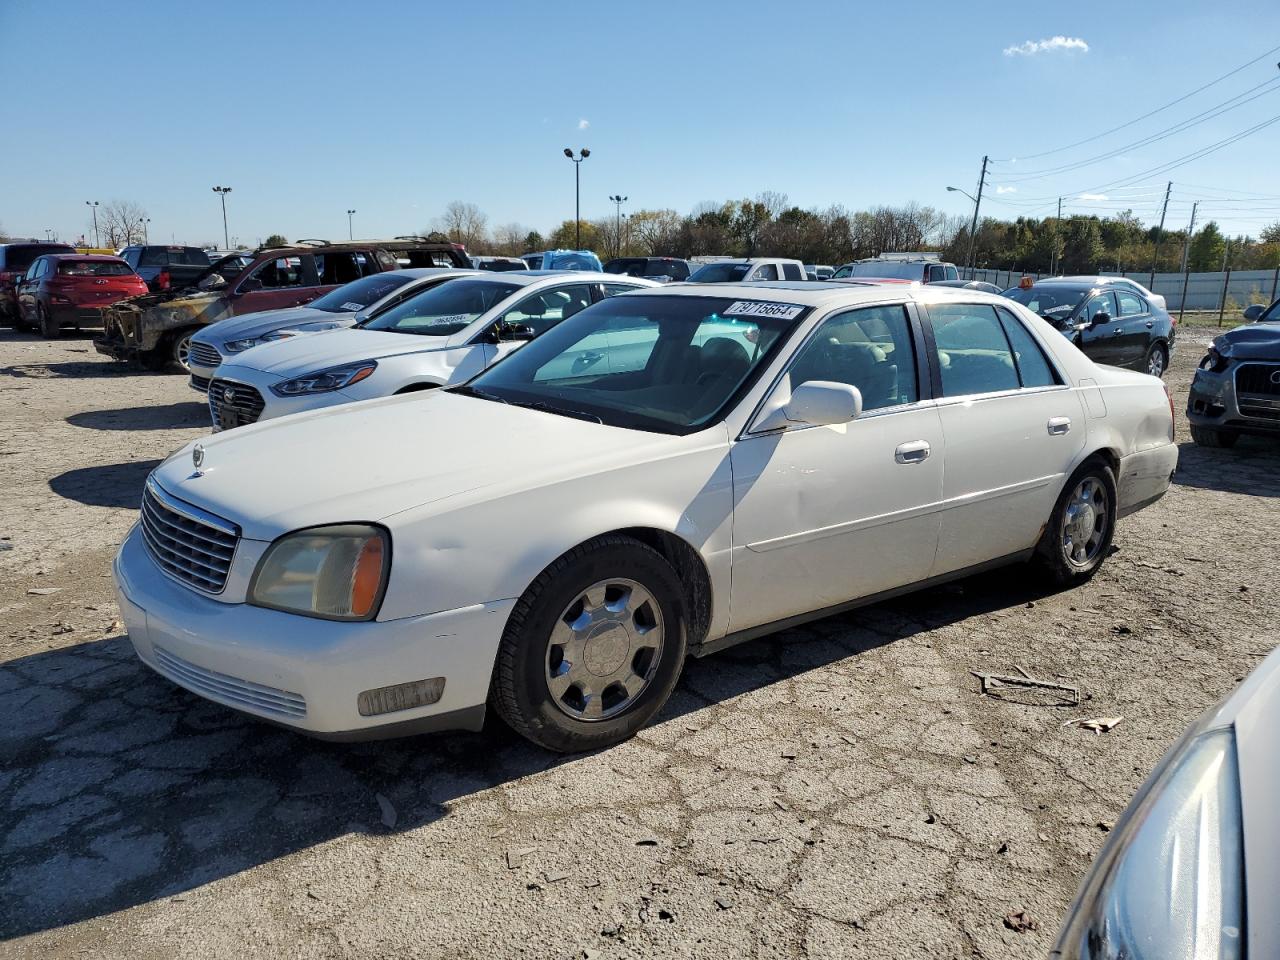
x=50, y=328
x=19, y=322
x=1052, y=551
x=1209, y=437
x=520, y=690
x=1157, y=355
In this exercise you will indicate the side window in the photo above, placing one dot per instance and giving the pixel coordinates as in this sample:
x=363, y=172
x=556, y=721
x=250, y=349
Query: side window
x=613, y=289
x=792, y=271
x=870, y=349
x=1130, y=304
x=1102, y=303
x=937, y=273
x=1033, y=367
x=334, y=269
x=952, y=272
x=842, y=273
x=544, y=310
x=766, y=271
x=155, y=257
x=973, y=352
x=281, y=273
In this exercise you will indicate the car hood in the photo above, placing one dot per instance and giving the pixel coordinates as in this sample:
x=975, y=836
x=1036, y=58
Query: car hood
x=294, y=357
x=366, y=462
x=263, y=321
x=1255, y=341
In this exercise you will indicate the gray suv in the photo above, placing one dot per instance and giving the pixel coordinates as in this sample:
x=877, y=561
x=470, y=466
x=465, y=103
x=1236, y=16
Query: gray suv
x=1236, y=389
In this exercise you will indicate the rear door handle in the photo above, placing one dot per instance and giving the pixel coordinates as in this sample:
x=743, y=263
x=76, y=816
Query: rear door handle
x=917, y=451
x=1059, y=426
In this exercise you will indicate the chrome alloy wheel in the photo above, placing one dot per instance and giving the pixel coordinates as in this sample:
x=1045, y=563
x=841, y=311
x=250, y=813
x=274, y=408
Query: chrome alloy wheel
x=1084, y=522
x=604, y=649
x=1155, y=362
x=182, y=352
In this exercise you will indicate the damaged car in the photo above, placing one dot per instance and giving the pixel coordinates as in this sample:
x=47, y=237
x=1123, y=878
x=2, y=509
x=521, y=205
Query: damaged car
x=1236, y=389
x=156, y=329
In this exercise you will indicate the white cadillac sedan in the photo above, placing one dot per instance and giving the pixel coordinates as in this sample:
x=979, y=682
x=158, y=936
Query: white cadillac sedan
x=444, y=334
x=666, y=473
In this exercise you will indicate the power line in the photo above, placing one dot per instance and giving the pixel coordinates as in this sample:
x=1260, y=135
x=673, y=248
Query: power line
x=1187, y=124
x=1129, y=123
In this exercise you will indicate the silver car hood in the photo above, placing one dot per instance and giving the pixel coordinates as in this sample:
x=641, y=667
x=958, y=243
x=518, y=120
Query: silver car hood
x=267, y=321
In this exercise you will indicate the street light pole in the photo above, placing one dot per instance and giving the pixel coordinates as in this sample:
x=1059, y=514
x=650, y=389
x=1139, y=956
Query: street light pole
x=93, y=205
x=618, y=201
x=222, y=192
x=146, y=231
x=350, y=214
x=577, y=192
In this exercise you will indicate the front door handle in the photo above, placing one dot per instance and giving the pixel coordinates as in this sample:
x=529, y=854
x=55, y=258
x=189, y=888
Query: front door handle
x=917, y=451
x=1058, y=426
x=1116, y=332
x=1150, y=324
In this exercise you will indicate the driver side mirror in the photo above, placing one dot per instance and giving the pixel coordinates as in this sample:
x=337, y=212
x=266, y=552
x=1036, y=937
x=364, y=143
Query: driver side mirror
x=1253, y=312
x=513, y=331
x=816, y=403
x=1100, y=318
x=249, y=285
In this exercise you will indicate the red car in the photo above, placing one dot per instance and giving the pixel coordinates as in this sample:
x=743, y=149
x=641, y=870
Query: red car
x=15, y=258
x=61, y=290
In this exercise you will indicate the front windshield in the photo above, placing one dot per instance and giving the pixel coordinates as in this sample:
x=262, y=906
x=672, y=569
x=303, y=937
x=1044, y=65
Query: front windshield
x=444, y=309
x=886, y=269
x=720, y=273
x=1048, y=300
x=358, y=294
x=1272, y=314
x=664, y=363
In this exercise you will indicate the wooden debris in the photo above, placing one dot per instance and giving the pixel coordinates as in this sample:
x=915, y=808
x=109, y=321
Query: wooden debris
x=991, y=681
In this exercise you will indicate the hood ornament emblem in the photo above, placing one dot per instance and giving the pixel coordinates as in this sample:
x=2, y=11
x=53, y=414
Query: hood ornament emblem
x=197, y=459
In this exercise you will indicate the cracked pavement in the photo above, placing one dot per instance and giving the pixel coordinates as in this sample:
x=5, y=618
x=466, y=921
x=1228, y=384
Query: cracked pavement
x=840, y=789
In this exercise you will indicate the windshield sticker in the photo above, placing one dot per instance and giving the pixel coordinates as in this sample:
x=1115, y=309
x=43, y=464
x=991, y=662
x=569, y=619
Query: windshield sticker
x=352, y=305
x=760, y=308
x=441, y=321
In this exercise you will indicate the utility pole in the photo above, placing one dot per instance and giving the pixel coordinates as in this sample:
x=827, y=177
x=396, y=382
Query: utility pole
x=222, y=192
x=1053, y=261
x=577, y=192
x=1155, y=256
x=973, y=229
x=1186, y=250
x=618, y=201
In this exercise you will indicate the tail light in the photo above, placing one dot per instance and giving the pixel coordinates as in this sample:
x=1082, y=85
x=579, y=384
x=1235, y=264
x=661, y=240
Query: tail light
x=162, y=280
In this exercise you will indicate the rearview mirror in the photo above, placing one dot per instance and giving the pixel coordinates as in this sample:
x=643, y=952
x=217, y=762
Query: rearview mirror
x=1253, y=312
x=823, y=403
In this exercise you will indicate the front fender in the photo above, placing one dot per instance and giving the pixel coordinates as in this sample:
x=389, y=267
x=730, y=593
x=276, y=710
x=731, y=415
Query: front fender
x=494, y=547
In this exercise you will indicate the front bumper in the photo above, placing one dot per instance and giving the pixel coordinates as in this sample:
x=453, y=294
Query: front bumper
x=273, y=405
x=1214, y=402
x=304, y=673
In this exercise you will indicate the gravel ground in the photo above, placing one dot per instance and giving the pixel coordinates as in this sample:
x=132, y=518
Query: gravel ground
x=837, y=790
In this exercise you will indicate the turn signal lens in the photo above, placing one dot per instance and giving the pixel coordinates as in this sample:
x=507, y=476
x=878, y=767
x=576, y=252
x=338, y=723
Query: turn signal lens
x=366, y=581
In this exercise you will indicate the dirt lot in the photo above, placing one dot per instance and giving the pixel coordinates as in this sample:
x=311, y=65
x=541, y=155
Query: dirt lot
x=838, y=790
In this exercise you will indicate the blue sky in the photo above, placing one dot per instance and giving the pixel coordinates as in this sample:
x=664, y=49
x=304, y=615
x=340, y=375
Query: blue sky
x=308, y=109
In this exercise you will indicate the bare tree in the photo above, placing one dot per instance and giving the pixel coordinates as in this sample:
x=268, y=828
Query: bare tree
x=508, y=239
x=120, y=223
x=464, y=223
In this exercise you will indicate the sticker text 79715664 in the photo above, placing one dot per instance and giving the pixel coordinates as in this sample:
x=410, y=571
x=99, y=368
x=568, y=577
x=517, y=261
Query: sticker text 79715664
x=761, y=308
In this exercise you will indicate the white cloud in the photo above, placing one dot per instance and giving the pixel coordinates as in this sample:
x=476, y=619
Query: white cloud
x=1006, y=189
x=1029, y=48
x=584, y=123
x=1092, y=196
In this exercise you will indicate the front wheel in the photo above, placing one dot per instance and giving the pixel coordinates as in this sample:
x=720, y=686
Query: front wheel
x=1157, y=360
x=593, y=648
x=1081, y=527
x=1209, y=437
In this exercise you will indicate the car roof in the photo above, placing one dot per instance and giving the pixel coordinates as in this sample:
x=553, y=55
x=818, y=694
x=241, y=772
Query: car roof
x=816, y=293
x=77, y=257
x=532, y=275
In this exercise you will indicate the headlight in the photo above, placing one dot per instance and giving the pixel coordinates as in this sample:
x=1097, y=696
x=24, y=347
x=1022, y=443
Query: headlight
x=1215, y=360
x=323, y=381
x=1169, y=884
x=237, y=346
x=336, y=573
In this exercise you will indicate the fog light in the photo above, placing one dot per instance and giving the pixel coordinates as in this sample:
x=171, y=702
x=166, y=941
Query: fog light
x=401, y=696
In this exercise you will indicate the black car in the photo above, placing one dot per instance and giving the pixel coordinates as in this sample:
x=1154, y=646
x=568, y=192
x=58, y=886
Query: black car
x=662, y=269
x=166, y=267
x=1110, y=322
x=1236, y=389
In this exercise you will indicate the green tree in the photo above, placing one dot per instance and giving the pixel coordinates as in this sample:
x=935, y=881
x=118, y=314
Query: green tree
x=1207, y=248
x=1271, y=233
x=534, y=242
x=565, y=236
x=1081, y=245
x=275, y=240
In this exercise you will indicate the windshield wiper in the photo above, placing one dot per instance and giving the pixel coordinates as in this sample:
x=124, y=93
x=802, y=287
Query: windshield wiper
x=561, y=411
x=467, y=391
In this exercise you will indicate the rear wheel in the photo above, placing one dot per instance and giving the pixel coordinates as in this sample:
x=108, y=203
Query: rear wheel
x=1078, y=536
x=50, y=328
x=594, y=647
x=180, y=349
x=1157, y=360
x=1209, y=437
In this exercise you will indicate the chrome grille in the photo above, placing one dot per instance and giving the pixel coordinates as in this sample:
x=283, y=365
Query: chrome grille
x=186, y=542
x=1259, y=378
x=230, y=690
x=234, y=404
x=205, y=354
